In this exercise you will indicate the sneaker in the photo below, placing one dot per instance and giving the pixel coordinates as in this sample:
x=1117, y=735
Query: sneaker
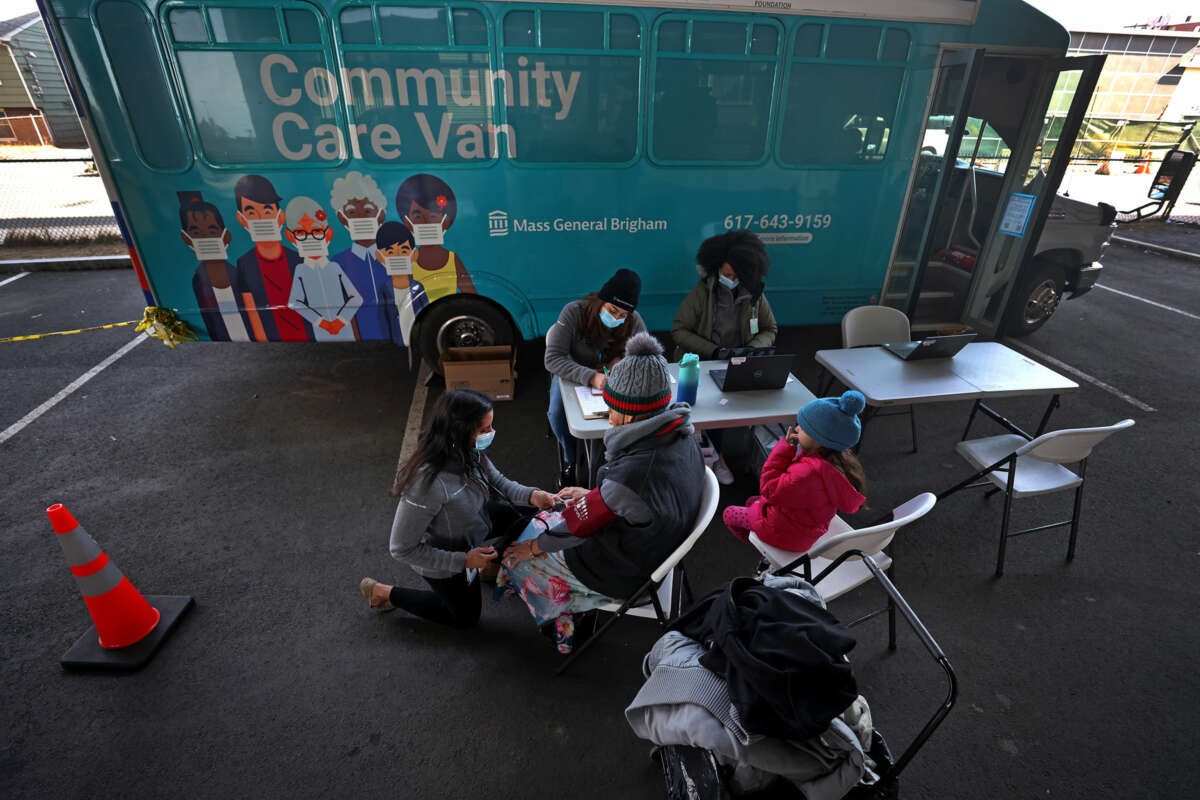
x=376, y=594
x=724, y=476
x=566, y=476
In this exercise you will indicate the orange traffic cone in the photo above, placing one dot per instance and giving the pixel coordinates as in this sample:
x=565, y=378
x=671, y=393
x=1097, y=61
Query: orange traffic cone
x=122, y=617
x=1143, y=167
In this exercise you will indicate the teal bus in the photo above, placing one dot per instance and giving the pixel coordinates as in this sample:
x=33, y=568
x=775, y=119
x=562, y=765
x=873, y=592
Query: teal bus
x=452, y=173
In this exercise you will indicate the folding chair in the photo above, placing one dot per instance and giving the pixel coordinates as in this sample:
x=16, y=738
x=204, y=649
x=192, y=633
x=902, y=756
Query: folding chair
x=692, y=773
x=867, y=326
x=836, y=575
x=664, y=591
x=1020, y=467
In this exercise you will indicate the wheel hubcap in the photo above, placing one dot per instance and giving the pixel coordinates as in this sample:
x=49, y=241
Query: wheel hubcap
x=465, y=331
x=1042, y=302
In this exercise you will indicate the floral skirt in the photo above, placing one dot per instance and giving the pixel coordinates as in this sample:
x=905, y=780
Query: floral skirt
x=548, y=587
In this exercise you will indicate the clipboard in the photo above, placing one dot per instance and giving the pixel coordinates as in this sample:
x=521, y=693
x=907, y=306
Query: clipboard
x=591, y=405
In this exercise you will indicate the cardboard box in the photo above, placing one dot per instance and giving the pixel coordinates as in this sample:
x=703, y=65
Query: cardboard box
x=484, y=369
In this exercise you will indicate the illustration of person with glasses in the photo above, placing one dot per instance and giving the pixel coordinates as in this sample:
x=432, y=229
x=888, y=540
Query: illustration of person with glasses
x=321, y=292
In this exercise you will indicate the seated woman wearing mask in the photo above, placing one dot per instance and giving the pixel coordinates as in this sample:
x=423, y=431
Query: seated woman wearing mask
x=727, y=309
x=447, y=513
x=612, y=538
x=584, y=344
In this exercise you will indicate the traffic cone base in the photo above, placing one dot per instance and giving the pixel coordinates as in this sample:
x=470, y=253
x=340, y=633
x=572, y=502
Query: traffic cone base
x=89, y=654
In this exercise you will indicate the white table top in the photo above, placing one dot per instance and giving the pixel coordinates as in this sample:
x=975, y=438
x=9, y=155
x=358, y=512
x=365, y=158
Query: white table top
x=713, y=408
x=980, y=370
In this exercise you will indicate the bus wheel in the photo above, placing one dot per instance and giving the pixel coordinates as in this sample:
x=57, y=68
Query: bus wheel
x=461, y=322
x=1035, y=298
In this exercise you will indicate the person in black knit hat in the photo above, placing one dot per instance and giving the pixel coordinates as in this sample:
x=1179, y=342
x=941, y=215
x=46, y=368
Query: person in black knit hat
x=646, y=499
x=584, y=345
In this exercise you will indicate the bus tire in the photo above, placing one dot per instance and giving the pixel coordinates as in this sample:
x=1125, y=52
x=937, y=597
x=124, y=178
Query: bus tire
x=461, y=321
x=1035, y=299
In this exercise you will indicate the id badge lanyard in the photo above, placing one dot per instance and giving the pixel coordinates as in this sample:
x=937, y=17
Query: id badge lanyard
x=754, y=321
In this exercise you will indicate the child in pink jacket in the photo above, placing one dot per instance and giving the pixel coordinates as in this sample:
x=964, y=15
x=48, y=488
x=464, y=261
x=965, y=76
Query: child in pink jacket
x=809, y=476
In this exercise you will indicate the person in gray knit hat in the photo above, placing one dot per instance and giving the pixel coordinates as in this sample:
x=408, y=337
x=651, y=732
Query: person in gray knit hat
x=648, y=495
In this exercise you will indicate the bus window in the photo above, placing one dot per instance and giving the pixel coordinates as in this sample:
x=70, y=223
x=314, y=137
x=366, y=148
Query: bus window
x=576, y=100
x=129, y=43
x=424, y=92
x=712, y=91
x=253, y=98
x=839, y=107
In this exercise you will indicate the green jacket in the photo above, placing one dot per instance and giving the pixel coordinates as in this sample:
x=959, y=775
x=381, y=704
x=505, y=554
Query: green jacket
x=694, y=321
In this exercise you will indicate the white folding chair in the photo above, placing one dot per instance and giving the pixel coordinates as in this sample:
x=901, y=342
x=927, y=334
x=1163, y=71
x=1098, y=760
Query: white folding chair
x=868, y=326
x=852, y=572
x=661, y=597
x=1023, y=468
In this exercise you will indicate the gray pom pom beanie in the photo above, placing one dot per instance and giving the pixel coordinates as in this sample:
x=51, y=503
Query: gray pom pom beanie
x=833, y=421
x=638, y=384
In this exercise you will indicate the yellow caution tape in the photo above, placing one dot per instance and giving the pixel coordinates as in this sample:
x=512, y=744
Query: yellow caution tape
x=158, y=323
x=161, y=323
x=68, y=333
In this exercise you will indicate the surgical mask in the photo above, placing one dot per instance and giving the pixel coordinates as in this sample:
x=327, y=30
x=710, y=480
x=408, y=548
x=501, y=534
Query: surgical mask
x=728, y=283
x=263, y=230
x=312, y=248
x=483, y=440
x=362, y=228
x=208, y=248
x=398, y=265
x=609, y=320
x=427, y=232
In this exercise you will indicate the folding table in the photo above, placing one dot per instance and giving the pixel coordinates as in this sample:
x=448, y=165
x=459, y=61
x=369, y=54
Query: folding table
x=980, y=371
x=712, y=409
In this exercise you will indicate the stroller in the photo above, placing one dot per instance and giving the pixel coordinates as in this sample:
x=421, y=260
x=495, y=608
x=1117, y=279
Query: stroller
x=692, y=773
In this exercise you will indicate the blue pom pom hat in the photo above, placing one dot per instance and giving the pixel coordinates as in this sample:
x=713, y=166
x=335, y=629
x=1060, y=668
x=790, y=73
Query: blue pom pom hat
x=833, y=421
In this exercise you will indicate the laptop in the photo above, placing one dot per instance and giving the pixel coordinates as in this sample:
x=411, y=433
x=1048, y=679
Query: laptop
x=930, y=347
x=746, y=373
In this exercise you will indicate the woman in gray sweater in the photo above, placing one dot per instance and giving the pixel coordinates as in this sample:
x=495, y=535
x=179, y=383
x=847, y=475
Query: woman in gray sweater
x=447, y=525
x=586, y=342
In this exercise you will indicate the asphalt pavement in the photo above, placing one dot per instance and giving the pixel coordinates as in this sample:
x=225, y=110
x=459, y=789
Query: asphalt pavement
x=254, y=477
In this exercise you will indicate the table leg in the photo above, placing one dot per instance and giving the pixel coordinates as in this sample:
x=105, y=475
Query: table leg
x=593, y=461
x=970, y=419
x=1054, y=403
x=867, y=415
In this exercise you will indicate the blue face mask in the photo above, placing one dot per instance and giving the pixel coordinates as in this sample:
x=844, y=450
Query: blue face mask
x=609, y=320
x=728, y=283
x=483, y=440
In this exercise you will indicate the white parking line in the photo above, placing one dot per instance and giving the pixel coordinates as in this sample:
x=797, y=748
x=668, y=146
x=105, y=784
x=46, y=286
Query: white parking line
x=23, y=422
x=1150, y=302
x=416, y=416
x=16, y=277
x=1078, y=373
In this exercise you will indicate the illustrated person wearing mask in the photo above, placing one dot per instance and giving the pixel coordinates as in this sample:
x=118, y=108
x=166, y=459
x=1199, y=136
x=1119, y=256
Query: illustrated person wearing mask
x=215, y=282
x=394, y=252
x=646, y=499
x=267, y=268
x=584, y=344
x=454, y=516
x=360, y=207
x=427, y=207
x=321, y=292
x=726, y=309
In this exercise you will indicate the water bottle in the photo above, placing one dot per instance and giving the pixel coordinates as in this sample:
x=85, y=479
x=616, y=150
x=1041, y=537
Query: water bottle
x=689, y=378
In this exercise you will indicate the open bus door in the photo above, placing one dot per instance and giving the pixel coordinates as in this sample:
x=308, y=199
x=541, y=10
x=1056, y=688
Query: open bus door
x=952, y=88
x=1028, y=191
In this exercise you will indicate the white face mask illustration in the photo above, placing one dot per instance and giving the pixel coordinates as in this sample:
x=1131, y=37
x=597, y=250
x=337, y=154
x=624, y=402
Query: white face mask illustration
x=208, y=248
x=398, y=265
x=263, y=230
x=362, y=228
x=312, y=248
x=427, y=233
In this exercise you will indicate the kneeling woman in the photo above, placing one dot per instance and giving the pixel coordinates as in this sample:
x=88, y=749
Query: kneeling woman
x=648, y=496
x=446, y=513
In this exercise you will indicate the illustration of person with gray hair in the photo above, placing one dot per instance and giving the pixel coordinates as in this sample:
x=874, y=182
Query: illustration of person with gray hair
x=321, y=292
x=360, y=207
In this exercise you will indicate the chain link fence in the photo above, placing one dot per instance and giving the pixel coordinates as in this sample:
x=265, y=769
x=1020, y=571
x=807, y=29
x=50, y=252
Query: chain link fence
x=53, y=205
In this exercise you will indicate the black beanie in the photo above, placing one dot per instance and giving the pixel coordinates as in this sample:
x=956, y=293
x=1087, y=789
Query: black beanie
x=622, y=289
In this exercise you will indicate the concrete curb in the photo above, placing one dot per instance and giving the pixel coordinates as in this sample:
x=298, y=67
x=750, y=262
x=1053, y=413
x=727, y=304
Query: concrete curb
x=1157, y=248
x=64, y=264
